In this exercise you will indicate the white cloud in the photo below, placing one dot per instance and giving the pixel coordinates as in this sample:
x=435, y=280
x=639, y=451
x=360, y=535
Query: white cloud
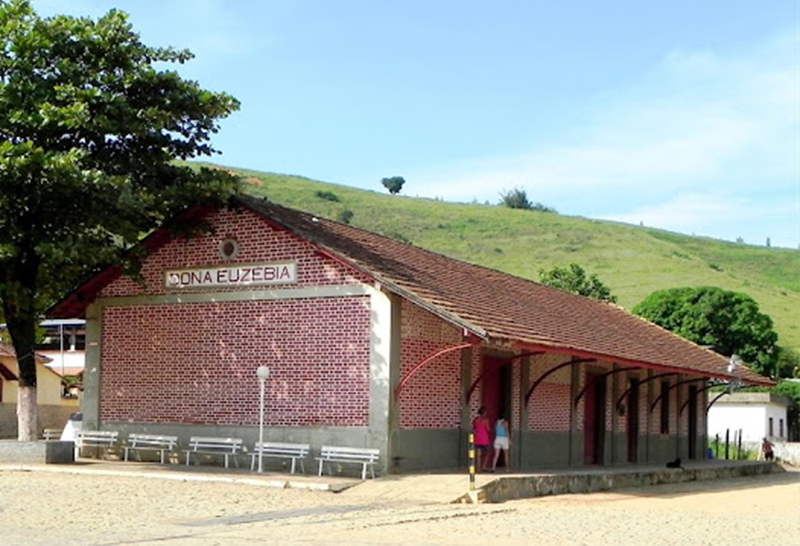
x=699, y=137
x=719, y=215
x=687, y=211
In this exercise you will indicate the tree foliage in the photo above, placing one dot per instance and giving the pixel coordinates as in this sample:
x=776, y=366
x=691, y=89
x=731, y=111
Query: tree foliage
x=574, y=279
x=394, y=184
x=729, y=322
x=518, y=199
x=787, y=363
x=90, y=130
x=791, y=390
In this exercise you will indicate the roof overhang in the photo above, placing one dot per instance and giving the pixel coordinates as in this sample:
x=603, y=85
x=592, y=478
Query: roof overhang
x=682, y=369
x=7, y=374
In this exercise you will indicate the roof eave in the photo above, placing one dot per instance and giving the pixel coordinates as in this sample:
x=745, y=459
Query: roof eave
x=555, y=348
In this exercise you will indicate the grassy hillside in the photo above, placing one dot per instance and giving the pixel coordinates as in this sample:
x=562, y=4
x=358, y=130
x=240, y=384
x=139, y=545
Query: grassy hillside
x=633, y=261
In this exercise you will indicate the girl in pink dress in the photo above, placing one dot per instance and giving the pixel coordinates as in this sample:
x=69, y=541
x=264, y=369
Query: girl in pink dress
x=483, y=438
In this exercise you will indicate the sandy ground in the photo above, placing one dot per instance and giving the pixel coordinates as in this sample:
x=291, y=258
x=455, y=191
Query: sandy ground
x=63, y=509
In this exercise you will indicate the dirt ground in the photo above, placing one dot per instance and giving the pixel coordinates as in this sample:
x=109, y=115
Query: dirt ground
x=44, y=508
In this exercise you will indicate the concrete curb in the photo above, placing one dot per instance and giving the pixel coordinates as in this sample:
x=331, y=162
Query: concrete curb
x=520, y=487
x=181, y=476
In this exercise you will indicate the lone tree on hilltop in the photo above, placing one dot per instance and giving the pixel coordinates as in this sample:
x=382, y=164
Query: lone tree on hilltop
x=90, y=128
x=574, y=279
x=729, y=322
x=518, y=199
x=394, y=184
x=515, y=199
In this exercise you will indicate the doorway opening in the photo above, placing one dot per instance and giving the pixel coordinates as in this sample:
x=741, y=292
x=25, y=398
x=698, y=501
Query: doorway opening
x=594, y=419
x=692, y=422
x=496, y=392
x=632, y=420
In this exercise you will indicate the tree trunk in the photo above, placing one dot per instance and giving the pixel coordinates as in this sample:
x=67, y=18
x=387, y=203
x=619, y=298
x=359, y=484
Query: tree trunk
x=27, y=418
x=23, y=335
x=21, y=320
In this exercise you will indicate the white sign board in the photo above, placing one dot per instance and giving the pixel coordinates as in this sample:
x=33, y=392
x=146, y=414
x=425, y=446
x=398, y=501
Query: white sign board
x=239, y=275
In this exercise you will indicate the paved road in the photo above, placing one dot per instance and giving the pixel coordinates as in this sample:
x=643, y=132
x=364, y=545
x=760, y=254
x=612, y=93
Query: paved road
x=43, y=508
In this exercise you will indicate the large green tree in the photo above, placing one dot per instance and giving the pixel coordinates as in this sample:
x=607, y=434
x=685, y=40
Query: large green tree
x=575, y=280
x=729, y=322
x=91, y=127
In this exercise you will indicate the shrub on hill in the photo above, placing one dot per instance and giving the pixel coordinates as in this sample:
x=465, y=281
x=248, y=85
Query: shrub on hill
x=327, y=195
x=345, y=216
x=518, y=199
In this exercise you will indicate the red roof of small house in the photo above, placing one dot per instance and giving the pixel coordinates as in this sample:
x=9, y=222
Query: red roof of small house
x=491, y=305
x=7, y=350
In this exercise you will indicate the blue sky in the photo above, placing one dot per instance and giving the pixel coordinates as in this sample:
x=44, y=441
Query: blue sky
x=683, y=115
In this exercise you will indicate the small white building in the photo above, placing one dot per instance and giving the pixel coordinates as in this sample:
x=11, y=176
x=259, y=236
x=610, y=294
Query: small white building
x=756, y=414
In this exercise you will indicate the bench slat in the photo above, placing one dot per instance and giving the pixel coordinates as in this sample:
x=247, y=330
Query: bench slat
x=52, y=434
x=96, y=438
x=214, y=446
x=280, y=450
x=150, y=442
x=343, y=454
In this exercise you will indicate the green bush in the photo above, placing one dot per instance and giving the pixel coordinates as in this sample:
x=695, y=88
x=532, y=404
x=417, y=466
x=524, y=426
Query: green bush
x=345, y=216
x=518, y=199
x=327, y=195
x=515, y=199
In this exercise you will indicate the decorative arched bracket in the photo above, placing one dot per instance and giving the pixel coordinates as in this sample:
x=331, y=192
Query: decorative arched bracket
x=639, y=384
x=474, y=386
x=549, y=372
x=678, y=384
x=720, y=395
x=733, y=385
x=471, y=343
x=683, y=407
x=596, y=377
x=507, y=360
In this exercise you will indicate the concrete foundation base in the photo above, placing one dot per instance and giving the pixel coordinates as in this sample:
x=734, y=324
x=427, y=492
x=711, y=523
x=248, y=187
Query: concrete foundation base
x=589, y=481
x=38, y=452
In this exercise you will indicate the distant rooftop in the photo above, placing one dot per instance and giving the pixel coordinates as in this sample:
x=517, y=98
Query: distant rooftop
x=754, y=398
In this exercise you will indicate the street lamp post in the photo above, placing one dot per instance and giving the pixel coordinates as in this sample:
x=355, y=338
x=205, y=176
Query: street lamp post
x=263, y=373
x=734, y=369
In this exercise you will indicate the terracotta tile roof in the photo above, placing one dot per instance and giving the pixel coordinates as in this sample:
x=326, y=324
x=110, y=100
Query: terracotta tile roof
x=491, y=305
x=7, y=350
x=500, y=307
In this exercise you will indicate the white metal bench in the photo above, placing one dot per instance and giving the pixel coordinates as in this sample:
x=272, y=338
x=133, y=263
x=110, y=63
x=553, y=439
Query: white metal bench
x=366, y=457
x=104, y=440
x=294, y=452
x=51, y=434
x=214, y=446
x=150, y=442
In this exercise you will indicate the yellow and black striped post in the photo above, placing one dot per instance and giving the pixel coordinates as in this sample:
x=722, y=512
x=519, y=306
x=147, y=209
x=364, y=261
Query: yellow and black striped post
x=471, y=461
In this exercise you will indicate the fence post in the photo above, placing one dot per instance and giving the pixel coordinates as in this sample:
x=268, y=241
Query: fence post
x=471, y=461
x=727, y=441
x=739, y=448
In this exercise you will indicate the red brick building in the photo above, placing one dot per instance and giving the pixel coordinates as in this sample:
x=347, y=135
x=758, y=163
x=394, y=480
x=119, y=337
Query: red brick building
x=374, y=343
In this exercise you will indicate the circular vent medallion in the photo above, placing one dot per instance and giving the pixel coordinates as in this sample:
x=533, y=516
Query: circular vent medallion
x=228, y=249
